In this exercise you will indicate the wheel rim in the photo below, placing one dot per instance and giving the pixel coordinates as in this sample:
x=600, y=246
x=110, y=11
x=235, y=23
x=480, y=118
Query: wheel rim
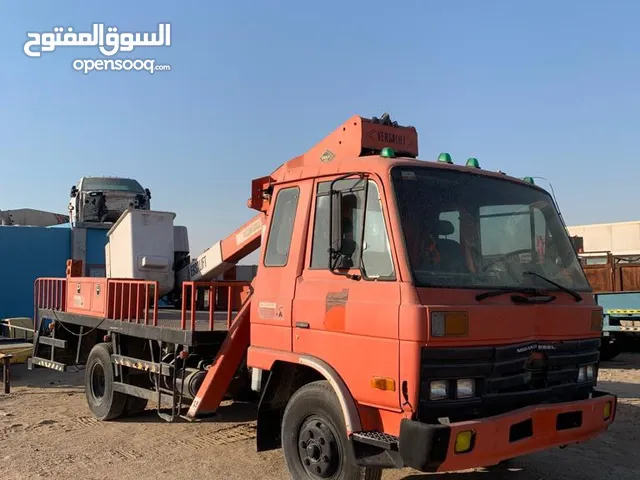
x=97, y=381
x=319, y=449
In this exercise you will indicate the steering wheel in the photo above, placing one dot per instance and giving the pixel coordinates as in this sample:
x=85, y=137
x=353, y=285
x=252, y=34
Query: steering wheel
x=504, y=259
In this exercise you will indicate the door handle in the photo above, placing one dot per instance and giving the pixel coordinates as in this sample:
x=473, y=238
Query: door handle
x=302, y=325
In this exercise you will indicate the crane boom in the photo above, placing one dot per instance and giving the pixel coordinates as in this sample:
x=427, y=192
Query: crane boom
x=224, y=254
x=31, y=217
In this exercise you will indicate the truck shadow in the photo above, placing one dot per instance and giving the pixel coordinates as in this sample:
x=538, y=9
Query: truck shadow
x=507, y=471
x=24, y=379
x=42, y=381
x=624, y=361
x=236, y=412
x=621, y=389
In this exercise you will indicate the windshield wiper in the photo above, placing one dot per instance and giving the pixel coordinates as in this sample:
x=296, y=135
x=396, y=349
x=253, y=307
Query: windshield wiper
x=537, y=295
x=503, y=291
x=573, y=293
x=536, y=299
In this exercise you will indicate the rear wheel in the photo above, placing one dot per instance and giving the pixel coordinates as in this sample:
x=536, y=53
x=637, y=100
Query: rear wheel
x=103, y=401
x=135, y=406
x=314, y=437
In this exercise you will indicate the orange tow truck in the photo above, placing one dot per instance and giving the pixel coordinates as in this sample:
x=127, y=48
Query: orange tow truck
x=404, y=313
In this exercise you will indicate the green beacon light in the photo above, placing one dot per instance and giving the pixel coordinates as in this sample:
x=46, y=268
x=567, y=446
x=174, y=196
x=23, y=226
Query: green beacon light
x=473, y=163
x=387, y=152
x=529, y=180
x=444, y=158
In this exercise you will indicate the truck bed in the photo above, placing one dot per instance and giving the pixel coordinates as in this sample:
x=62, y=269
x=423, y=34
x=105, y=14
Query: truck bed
x=130, y=307
x=169, y=328
x=621, y=311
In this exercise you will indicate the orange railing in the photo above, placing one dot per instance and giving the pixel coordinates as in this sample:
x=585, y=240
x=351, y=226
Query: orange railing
x=236, y=292
x=136, y=301
x=50, y=293
x=131, y=301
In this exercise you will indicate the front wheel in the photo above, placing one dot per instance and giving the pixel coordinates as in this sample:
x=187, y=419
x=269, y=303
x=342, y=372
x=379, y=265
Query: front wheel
x=314, y=437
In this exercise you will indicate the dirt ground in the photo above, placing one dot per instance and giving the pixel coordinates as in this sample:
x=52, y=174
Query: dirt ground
x=47, y=431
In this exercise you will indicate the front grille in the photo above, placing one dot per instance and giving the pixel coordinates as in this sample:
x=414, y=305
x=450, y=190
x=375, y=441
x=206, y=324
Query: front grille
x=507, y=377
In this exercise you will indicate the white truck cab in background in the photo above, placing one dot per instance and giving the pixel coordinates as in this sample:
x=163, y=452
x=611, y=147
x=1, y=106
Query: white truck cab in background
x=100, y=200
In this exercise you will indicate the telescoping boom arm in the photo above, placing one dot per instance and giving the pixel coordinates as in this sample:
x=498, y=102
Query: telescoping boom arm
x=224, y=254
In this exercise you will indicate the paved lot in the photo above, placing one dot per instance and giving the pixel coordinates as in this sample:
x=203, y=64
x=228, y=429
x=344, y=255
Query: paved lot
x=47, y=431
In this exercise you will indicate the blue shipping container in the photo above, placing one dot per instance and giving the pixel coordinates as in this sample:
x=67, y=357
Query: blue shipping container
x=96, y=242
x=27, y=253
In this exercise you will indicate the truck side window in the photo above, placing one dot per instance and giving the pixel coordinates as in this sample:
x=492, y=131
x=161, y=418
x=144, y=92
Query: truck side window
x=284, y=214
x=376, y=251
x=352, y=210
x=319, y=249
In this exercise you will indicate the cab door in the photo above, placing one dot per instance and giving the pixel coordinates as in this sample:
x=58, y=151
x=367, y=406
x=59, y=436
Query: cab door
x=349, y=317
x=279, y=266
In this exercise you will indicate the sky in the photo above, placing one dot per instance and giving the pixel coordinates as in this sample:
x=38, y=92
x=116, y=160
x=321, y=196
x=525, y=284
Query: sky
x=539, y=88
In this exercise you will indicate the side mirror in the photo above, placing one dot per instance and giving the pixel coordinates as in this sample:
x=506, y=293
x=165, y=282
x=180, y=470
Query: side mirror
x=343, y=236
x=74, y=191
x=336, y=223
x=148, y=192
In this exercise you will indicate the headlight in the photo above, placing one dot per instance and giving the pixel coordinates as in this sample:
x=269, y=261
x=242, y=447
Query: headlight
x=438, y=390
x=586, y=373
x=465, y=388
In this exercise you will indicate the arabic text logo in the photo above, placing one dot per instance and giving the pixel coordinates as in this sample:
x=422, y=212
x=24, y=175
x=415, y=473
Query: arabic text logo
x=108, y=40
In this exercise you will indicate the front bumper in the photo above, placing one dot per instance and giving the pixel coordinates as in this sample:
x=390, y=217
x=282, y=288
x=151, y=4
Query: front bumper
x=428, y=447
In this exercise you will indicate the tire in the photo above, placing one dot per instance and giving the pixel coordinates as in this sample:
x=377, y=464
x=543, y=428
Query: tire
x=313, y=417
x=103, y=401
x=134, y=406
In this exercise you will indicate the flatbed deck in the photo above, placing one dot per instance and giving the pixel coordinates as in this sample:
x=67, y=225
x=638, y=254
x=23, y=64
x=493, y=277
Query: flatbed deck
x=170, y=318
x=168, y=328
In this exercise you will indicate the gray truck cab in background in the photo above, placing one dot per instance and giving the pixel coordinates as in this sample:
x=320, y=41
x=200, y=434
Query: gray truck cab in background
x=101, y=200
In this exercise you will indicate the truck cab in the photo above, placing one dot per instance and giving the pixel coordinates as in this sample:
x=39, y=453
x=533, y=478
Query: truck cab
x=447, y=301
x=99, y=200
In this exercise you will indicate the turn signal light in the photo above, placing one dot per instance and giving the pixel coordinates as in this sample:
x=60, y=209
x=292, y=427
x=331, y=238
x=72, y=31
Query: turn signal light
x=383, y=383
x=449, y=324
x=607, y=411
x=596, y=321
